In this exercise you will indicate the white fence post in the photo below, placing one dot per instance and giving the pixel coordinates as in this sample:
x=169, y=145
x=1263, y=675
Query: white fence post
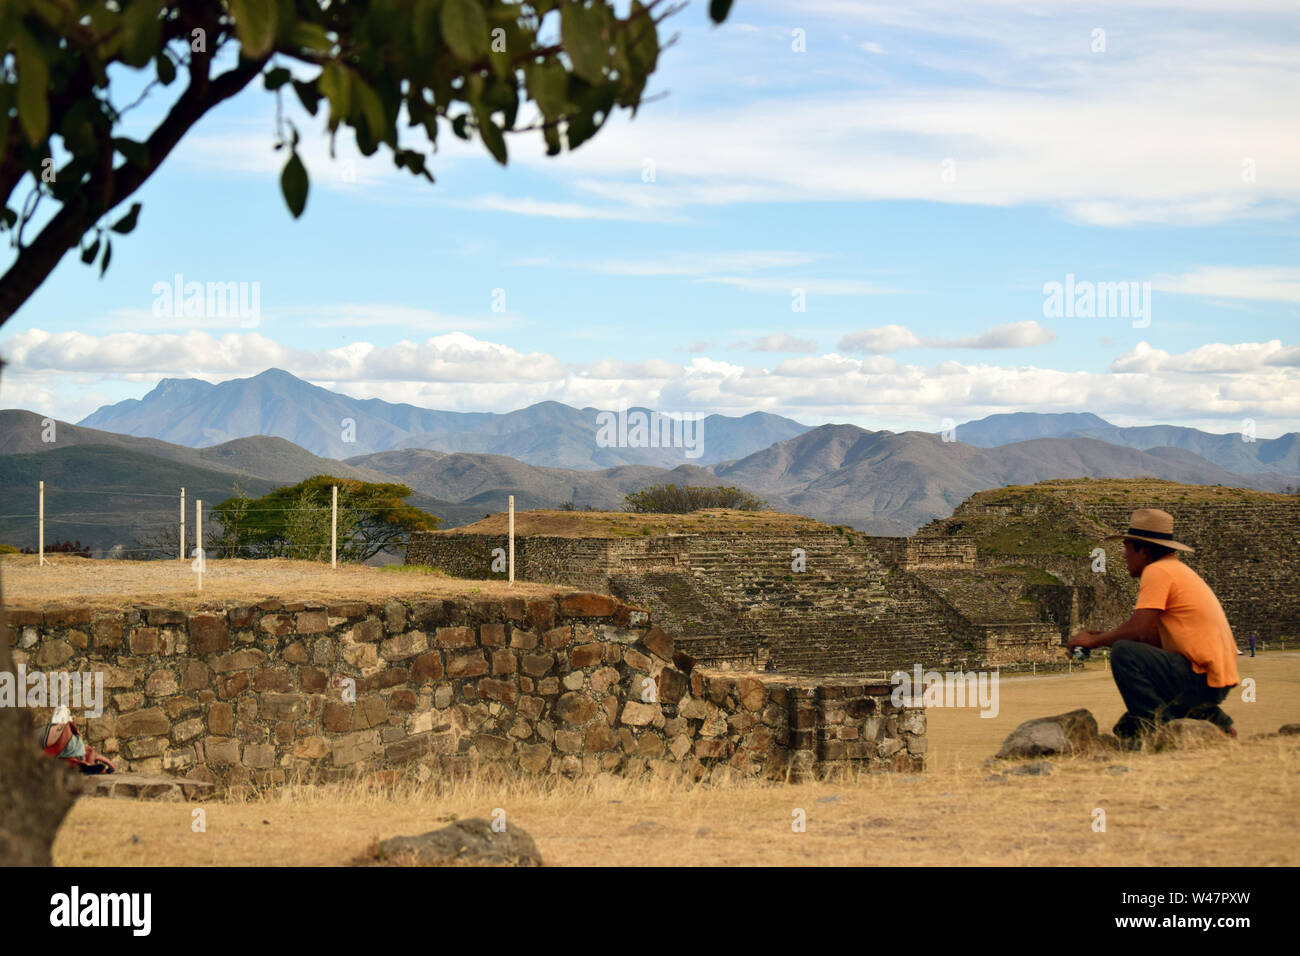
x=198, y=538
x=334, y=526
x=512, y=541
x=182, y=524
x=40, y=529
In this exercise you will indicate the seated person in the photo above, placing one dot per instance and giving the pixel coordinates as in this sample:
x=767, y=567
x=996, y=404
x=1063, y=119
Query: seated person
x=1175, y=657
x=60, y=739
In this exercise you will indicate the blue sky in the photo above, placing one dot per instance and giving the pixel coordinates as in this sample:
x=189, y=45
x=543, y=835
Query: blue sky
x=913, y=176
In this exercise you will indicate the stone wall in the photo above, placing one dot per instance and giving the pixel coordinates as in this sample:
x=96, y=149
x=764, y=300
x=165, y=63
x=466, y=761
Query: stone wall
x=575, y=684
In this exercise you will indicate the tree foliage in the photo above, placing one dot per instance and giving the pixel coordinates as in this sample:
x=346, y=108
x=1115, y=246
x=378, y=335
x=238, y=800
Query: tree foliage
x=679, y=499
x=372, y=67
x=294, y=521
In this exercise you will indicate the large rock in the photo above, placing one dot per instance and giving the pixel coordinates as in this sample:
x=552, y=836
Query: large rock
x=465, y=841
x=1184, y=734
x=1075, y=732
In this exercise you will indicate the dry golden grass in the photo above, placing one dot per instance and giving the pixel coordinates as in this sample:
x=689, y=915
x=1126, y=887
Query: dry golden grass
x=114, y=583
x=1138, y=490
x=619, y=524
x=1232, y=804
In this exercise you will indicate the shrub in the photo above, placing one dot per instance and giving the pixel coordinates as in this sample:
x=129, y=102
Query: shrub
x=679, y=499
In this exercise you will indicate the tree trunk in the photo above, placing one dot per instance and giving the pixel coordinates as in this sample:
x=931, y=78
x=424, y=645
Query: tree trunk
x=35, y=791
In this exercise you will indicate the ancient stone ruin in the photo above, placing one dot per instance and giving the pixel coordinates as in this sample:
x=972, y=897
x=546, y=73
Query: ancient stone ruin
x=999, y=584
x=576, y=683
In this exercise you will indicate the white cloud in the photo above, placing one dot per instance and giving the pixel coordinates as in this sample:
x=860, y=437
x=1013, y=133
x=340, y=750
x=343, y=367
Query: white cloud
x=781, y=342
x=1014, y=335
x=881, y=340
x=1268, y=283
x=1213, y=357
x=893, y=338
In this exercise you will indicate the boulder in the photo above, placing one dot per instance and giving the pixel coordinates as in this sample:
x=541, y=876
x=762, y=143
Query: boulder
x=470, y=841
x=1075, y=732
x=1184, y=734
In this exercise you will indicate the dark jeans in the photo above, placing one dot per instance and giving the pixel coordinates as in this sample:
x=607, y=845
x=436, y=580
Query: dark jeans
x=1159, y=686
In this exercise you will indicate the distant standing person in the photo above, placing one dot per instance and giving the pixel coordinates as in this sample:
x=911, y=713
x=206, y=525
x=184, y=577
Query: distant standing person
x=1252, y=644
x=1175, y=657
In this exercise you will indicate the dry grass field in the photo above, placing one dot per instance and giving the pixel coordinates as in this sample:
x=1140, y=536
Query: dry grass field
x=1232, y=804
x=172, y=583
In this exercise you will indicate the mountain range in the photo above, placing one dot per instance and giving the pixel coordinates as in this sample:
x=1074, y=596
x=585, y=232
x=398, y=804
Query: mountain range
x=880, y=482
x=196, y=413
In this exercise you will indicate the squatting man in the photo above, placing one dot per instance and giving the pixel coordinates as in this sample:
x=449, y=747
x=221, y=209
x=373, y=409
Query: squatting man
x=1175, y=657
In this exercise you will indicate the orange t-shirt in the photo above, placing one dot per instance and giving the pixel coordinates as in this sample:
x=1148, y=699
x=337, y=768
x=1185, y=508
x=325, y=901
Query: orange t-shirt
x=1192, y=622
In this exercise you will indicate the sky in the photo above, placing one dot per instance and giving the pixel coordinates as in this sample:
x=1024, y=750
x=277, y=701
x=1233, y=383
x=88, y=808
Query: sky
x=835, y=210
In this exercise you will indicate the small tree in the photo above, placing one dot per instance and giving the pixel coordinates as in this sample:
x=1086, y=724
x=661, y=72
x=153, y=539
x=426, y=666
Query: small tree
x=295, y=521
x=678, y=499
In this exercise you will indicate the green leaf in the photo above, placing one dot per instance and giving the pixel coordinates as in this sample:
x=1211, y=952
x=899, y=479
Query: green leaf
x=643, y=46
x=166, y=68
x=88, y=254
x=293, y=183
x=458, y=125
x=548, y=85
x=108, y=255
x=335, y=84
x=551, y=134
x=127, y=222
x=276, y=78
x=465, y=29
x=255, y=22
x=425, y=26
x=141, y=32
x=580, y=32
x=33, y=82
x=308, y=94
x=310, y=36
x=492, y=138
x=372, y=108
x=718, y=10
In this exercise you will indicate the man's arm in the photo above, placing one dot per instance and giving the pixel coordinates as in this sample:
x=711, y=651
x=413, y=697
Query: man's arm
x=1140, y=627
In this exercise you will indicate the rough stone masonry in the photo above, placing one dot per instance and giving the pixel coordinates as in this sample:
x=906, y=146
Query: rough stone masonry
x=577, y=683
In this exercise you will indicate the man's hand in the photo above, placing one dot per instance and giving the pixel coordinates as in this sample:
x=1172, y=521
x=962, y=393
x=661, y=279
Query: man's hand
x=1086, y=639
x=1142, y=626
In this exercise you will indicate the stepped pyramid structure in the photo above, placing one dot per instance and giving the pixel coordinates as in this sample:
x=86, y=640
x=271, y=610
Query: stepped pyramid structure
x=1001, y=583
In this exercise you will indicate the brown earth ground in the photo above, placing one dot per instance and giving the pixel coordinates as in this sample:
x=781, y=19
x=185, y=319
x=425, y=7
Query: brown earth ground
x=1230, y=804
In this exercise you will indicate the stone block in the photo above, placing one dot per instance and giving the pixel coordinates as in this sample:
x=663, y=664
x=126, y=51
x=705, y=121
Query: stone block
x=402, y=646
x=142, y=723
x=446, y=637
x=221, y=751
x=313, y=622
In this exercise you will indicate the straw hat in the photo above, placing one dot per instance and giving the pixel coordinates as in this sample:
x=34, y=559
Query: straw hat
x=1153, y=525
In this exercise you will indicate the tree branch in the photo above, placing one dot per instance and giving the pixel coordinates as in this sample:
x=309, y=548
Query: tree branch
x=35, y=263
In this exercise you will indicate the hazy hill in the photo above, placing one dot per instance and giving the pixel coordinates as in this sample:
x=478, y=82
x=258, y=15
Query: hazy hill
x=275, y=459
x=887, y=483
x=550, y=434
x=1230, y=451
